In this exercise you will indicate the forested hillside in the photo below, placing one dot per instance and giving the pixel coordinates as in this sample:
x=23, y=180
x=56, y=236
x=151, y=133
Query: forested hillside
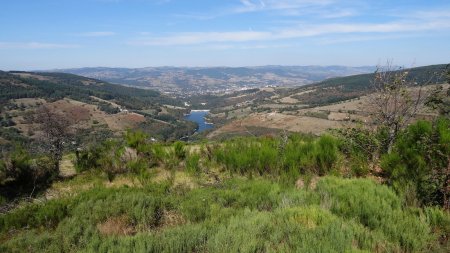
x=88, y=105
x=55, y=86
x=344, y=88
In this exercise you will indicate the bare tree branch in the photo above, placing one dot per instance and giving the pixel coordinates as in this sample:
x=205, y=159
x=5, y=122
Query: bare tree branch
x=56, y=129
x=396, y=101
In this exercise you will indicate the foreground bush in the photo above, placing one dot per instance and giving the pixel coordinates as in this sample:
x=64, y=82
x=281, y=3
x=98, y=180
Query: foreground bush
x=419, y=163
x=238, y=215
x=291, y=157
x=24, y=174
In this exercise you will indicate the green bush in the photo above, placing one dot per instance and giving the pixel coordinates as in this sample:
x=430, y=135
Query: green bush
x=88, y=159
x=419, y=161
x=239, y=215
x=378, y=208
x=439, y=221
x=22, y=173
x=327, y=153
x=35, y=215
x=193, y=164
x=180, y=150
x=289, y=158
x=244, y=155
x=138, y=141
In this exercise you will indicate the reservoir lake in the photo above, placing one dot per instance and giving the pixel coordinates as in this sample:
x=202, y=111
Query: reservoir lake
x=199, y=117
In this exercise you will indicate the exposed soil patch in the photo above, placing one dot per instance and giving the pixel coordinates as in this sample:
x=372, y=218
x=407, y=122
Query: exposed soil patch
x=71, y=109
x=278, y=121
x=121, y=121
x=123, y=226
x=118, y=226
x=289, y=100
x=171, y=218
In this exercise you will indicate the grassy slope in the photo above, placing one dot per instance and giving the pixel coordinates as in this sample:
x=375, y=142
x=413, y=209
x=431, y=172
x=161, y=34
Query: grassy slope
x=198, y=200
x=240, y=215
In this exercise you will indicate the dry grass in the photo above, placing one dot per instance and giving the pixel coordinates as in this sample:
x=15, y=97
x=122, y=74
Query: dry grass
x=66, y=167
x=338, y=116
x=304, y=92
x=121, y=180
x=29, y=101
x=277, y=121
x=34, y=76
x=171, y=218
x=289, y=100
x=117, y=226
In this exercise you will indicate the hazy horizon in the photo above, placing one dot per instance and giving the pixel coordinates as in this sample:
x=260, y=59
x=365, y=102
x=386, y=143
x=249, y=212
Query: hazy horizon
x=51, y=34
x=381, y=65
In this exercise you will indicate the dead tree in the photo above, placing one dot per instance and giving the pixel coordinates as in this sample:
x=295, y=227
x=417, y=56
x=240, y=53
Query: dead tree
x=56, y=129
x=395, y=102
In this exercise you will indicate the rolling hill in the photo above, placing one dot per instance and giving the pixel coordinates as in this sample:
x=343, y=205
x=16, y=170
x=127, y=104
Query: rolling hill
x=314, y=108
x=342, y=88
x=92, y=106
x=191, y=80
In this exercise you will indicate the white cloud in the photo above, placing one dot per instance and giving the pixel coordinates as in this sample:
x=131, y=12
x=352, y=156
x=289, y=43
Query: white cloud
x=318, y=8
x=96, y=34
x=203, y=37
x=242, y=47
x=300, y=31
x=359, y=38
x=267, y=5
x=34, y=45
x=433, y=14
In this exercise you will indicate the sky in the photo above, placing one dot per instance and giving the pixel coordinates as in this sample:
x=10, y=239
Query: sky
x=49, y=34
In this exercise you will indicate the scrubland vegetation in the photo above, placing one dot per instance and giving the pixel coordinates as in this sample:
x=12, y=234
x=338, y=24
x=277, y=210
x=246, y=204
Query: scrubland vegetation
x=383, y=188
x=294, y=193
x=237, y=215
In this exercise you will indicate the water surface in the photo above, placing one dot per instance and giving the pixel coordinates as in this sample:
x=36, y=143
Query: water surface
x=199, y=117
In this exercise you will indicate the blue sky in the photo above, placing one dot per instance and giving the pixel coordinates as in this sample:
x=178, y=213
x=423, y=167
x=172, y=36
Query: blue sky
x=46, y=34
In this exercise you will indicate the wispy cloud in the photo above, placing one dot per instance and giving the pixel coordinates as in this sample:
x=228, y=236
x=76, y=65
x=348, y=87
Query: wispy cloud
x=325, y=9
x=268, y=5
x=96, y=34
x=35, y=45
x=360, y=38
x=203, y=37
x=299, y=31
x=430, y=14
x=243, y=47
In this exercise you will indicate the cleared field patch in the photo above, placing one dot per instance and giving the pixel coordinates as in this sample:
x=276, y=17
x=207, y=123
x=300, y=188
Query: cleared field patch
x=31, y=75
x=72, y=109
x=278, y=121
x=29, y=102
x=122, y=121
x=289, y=100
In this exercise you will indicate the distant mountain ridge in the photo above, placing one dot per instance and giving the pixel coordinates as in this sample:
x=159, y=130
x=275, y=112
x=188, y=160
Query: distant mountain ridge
x=194, y=80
